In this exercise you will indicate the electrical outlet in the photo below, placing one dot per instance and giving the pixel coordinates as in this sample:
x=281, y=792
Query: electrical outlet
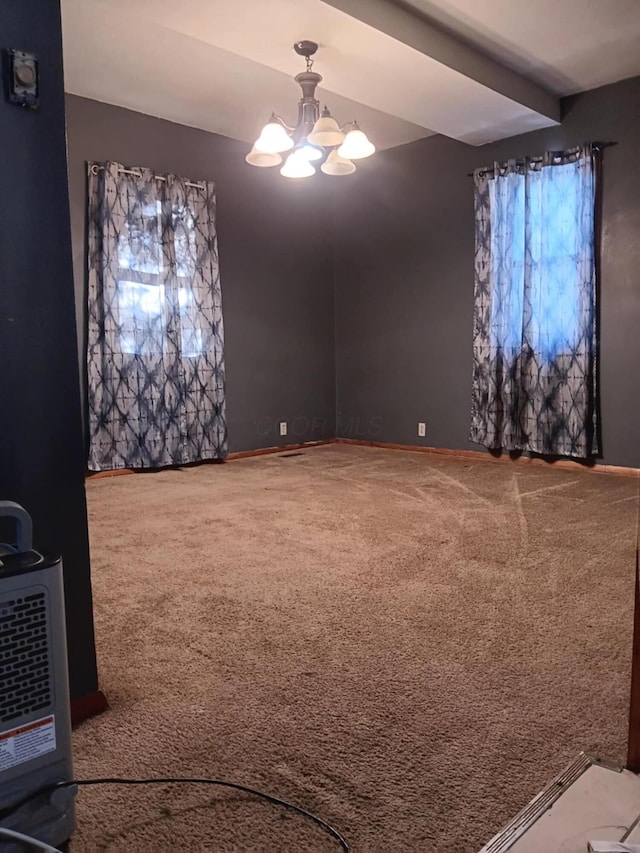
x=422, y=429
x=283, y=427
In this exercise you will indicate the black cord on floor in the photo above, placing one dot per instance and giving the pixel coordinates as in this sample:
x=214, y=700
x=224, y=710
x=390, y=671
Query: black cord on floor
x=183, y=780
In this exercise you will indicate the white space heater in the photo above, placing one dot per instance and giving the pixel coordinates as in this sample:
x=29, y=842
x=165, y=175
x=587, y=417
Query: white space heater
x=35, y=725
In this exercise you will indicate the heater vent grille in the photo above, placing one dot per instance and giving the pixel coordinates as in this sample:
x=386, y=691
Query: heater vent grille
x=25, y=669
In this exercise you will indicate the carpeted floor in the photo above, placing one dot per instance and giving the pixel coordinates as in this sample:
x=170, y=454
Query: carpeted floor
x=408, y=645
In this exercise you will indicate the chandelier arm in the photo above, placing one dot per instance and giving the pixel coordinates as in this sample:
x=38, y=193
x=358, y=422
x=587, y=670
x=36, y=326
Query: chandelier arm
x=287, y=127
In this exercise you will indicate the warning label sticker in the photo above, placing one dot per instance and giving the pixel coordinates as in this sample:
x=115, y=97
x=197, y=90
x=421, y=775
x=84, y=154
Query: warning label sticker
x=27, y=742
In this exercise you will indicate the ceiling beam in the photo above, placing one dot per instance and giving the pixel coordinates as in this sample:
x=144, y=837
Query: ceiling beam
x=416, y=31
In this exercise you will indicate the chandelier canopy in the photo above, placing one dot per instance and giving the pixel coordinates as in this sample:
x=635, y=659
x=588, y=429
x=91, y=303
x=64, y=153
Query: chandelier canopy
x=316, y=136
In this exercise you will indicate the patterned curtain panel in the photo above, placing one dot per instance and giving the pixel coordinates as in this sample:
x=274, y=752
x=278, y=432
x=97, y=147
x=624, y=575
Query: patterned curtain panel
x=155, y=336
x=534, y=337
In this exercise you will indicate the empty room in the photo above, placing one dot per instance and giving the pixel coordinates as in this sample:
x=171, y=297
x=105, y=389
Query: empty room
x=320, y=426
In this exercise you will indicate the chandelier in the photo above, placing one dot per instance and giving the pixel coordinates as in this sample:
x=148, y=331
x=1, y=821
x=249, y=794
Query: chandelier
x=316, y=136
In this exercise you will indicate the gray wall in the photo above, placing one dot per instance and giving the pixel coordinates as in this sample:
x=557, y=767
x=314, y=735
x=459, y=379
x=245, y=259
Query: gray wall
x=404, y=242
x=401, y=260
x=41, y=449
x=275, y=266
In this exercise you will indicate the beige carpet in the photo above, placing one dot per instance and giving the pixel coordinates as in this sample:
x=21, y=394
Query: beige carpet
x=408, y=645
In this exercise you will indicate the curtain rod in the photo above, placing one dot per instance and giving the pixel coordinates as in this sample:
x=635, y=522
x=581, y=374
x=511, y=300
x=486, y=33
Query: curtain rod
x=597, y=145
x=96, y=168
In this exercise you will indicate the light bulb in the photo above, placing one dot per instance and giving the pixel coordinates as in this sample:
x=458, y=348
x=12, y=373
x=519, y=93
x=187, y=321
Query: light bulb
x=310, y=152
x=273, y=139
x=297, y=166
x=356, y=145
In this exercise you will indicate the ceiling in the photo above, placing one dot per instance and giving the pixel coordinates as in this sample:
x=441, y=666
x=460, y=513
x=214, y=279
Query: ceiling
x=567, y=46
x=474, y=71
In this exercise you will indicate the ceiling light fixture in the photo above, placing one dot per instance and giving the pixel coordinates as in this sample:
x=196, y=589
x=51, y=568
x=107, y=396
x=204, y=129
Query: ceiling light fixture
x=315, y=137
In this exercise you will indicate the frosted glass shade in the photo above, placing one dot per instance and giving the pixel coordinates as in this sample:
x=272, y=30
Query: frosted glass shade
x=326, y=131
x=262, y=158
x=297, y=166
x=273, y=139
x=356, y=145
x=337, y=165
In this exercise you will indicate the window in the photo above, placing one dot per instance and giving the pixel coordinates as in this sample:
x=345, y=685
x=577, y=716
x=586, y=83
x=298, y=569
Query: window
x=534, y=345
x=144, y=299
x=155, y=333
x=537, y=239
